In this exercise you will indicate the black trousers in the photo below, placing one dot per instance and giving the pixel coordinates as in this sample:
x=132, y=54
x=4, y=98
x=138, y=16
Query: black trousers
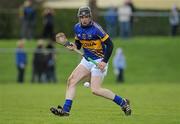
x=51, y=75
x=120, y=77
x=20, y=76
x=48, y=31
x=37, y=75
x=174, y=30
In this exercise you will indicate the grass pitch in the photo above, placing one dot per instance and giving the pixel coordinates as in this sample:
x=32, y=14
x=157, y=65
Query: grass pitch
x=29, y=104
x=152, y=84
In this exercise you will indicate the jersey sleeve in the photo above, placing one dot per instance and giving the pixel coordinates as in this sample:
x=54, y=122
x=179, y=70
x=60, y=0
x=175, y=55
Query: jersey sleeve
x=78, y=44
x=101, y=33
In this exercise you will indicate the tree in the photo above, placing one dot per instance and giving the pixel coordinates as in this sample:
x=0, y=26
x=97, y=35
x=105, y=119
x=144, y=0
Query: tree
x=94, y=9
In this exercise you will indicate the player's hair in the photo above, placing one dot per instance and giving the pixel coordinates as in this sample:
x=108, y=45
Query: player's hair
x=84, y=11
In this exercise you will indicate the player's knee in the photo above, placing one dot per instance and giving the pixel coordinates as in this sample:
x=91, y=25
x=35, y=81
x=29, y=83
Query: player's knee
x=71, y=81
x=95, y=91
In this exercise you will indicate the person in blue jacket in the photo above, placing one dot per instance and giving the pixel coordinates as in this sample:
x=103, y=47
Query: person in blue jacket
x=21, y=61
x=111, y=21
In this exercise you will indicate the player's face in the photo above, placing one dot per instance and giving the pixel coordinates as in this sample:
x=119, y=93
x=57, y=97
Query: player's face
x=85, y=20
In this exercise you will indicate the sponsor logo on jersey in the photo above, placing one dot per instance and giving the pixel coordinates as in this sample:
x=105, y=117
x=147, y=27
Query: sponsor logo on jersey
x=89, y=44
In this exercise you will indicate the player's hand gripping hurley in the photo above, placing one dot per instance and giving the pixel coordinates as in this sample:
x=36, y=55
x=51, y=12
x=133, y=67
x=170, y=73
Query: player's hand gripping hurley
x=61, y=39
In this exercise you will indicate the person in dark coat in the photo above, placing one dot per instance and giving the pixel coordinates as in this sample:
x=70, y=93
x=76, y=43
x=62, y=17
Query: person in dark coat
x=48, y=24
x=51, y=65
x=39, y=63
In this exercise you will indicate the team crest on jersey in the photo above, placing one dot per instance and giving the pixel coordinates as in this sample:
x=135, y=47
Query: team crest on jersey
x=89, y=36
x=84, y=36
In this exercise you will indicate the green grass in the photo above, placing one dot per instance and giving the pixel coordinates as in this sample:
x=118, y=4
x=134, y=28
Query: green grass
x=152, y=84
x=152, y=104
x=149, y=59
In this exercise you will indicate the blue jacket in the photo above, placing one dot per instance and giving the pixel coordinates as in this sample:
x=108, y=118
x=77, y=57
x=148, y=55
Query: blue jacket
x=21, y=58
x=111, y=17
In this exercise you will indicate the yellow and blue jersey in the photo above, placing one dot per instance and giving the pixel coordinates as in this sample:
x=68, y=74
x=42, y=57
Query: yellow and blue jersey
x=92, y=39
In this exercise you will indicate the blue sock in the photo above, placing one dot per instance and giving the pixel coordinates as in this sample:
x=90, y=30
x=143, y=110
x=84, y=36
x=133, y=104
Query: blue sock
x=119, y=100
x=67, y=105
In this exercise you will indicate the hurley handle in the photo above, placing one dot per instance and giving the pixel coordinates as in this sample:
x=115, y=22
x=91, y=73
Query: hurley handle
x=88, y=58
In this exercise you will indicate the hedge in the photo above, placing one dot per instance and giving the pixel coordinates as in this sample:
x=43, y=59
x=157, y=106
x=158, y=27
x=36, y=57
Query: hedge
x=66, y=18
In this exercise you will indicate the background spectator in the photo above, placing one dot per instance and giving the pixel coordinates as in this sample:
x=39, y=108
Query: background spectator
x=51, y=64
x=174, y=20
x=124, y=17
x=48, y=23
x=131, y=5
x=119, y=64
x=27, y=20
x=21, y=61
x=111, y=21
x=39, y=63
